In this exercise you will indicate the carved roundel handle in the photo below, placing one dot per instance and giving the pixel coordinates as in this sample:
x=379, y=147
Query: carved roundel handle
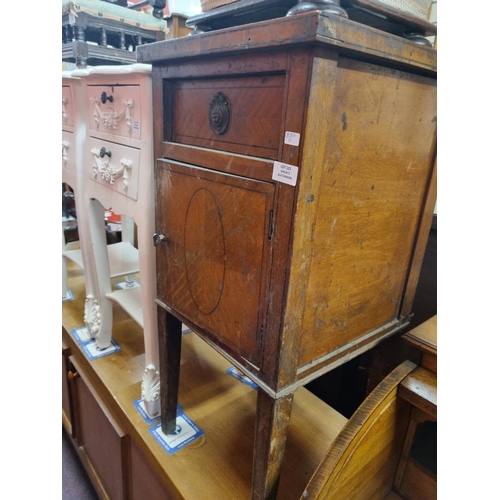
x=219, y=113
x=105, y=97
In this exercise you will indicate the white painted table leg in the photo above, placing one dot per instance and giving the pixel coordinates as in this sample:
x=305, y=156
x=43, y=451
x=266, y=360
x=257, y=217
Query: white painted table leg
x=128, y=236
x=103, y=317
x=150, y=387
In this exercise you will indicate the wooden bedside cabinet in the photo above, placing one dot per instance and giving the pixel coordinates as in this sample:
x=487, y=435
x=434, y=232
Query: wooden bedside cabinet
x=295, y=186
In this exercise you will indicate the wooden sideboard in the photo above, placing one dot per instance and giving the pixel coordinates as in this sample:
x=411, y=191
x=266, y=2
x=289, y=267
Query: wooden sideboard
x=295, y=187
x=123, y=458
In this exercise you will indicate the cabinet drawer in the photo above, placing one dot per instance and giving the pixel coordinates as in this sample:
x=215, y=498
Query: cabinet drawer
x=240, y=114
x=115, y=166
x=68, y=113
x=114, y=110
x=216, y=257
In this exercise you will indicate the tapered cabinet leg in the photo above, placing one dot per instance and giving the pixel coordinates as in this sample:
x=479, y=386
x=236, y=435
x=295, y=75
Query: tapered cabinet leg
x=271, y=428
x=169, y=340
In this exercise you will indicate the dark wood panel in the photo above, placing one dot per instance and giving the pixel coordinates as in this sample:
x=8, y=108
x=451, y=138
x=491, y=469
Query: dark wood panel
x=67, y=411
x=255, y=168
x=105, y=444
x=215, y=261
x=145, y=481
x=254, y=108
x=418, y=483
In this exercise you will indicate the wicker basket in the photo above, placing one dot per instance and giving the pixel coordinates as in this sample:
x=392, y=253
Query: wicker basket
x=212, y=4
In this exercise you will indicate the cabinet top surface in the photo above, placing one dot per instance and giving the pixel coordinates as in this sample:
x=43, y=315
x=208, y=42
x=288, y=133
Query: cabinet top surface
x=424, y=336
x=308, y=29
x=111, y=70
x=67, y=75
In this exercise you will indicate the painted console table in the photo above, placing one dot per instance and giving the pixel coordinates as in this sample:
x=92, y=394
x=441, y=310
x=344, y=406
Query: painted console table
x=118, y=175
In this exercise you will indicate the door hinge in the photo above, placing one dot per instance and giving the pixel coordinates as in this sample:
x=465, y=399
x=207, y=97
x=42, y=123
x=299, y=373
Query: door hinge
x=261, y=333
x=271, y=227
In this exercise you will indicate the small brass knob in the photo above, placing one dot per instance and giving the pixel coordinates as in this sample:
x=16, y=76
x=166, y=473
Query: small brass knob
x=73, y=375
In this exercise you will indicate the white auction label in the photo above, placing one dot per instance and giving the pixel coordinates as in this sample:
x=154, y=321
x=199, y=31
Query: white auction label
x=292, y=138
x=136, y=125
x=283, y=172
x=72, y=19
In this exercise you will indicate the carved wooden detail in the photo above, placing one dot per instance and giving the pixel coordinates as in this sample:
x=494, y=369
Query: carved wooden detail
x=219, y=113
x=108, y=172
x=109, y=116
x=65, y=147
x=92, y=315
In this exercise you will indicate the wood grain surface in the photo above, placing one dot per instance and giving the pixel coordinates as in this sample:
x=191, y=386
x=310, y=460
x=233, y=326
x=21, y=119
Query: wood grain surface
x=362, y=461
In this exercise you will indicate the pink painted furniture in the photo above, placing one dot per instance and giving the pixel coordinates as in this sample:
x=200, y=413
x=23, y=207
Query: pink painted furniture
x=118, y=175
x=73, y=139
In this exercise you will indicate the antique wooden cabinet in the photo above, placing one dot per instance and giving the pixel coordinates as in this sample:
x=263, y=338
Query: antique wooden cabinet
x=295, y=186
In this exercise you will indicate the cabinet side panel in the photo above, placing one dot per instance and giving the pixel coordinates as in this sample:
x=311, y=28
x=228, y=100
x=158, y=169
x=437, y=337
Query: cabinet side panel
x=368, y=180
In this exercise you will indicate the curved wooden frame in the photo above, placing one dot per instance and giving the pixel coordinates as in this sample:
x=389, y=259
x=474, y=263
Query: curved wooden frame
x=362, y=461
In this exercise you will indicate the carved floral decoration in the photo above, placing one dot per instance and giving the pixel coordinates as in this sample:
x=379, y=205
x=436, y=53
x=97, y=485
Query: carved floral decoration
x=219, y=113
x=109, y=117
x=150, y=386
x=64, y=112
x=92, y=315
x=108, y=172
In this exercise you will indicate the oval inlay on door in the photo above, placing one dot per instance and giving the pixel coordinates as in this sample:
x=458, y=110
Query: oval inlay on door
x=204, y=251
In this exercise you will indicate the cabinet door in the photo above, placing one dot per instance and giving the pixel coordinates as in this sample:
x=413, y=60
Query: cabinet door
x=103, y=445
x=215, y=261
x=67, y=409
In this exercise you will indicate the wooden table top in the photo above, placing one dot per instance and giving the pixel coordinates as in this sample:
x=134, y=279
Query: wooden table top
x=219, y=464
x=424, y=336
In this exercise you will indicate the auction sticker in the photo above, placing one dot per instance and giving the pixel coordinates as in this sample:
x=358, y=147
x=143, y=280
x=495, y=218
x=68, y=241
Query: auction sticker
x=282, y=172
